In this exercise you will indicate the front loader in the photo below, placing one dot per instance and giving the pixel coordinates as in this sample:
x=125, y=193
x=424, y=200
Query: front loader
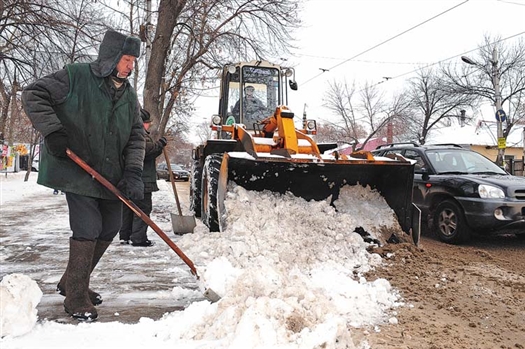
x=257, y=146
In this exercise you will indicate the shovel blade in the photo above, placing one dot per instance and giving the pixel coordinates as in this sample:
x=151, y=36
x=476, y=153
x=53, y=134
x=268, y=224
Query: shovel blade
x=182, y=224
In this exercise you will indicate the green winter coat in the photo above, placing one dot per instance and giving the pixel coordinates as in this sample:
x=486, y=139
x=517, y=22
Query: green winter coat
x=107, y=134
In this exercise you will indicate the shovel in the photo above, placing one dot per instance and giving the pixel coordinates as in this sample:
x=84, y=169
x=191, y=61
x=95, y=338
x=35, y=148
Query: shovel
x=208, y=292
x=181, y=224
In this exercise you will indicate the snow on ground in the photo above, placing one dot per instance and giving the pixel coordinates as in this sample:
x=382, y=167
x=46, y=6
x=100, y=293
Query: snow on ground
x=288, y=273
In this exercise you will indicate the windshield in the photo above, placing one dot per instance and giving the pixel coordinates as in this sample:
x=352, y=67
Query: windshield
x=462, y=161
x=255, y=98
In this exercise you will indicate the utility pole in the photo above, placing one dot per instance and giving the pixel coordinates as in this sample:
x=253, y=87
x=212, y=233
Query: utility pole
x=500, y=113
x=148, y=33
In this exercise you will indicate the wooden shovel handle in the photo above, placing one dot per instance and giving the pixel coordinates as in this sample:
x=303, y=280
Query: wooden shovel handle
x=172, y=180
x=132, y=207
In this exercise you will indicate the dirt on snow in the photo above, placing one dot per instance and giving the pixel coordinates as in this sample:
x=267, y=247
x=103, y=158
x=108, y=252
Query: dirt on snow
x=462, y=297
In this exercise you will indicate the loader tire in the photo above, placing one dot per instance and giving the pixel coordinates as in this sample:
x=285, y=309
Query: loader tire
x=209, y=192
x=450, y=224
x=195, y=188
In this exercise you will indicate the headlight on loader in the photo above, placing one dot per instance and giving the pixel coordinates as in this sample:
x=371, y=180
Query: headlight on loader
x=311, y=125
x=490, y=192
x=216, y=120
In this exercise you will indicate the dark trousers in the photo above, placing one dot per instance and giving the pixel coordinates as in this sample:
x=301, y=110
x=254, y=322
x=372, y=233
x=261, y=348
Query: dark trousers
x=92, y=218
x=134, y=228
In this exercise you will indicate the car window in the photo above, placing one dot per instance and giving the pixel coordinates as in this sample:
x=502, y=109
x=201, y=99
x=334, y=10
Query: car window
x=391, y=152
x=464, y=161
x=448, y=161
x=414, y=155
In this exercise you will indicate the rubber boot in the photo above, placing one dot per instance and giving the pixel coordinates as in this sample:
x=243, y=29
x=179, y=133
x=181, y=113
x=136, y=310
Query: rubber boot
x=77, y=302
x=100, y=247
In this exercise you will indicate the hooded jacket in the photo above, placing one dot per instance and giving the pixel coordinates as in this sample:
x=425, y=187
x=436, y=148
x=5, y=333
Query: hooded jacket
x=104, y=130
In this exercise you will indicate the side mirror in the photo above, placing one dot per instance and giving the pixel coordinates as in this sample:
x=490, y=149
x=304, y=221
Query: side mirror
x=293, y=85
x=424, y=174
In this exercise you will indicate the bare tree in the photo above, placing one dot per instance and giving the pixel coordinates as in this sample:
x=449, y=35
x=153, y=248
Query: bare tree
x=204, y=131
x=190, y=39
x=193, y=38
x=432, y=103
x=362, y=117
x=393, y=126
x=340, y=100
x=36, y=38
x=477, y=79
x=178, y=149
x=373, y=109
x=55, y=31
x=328, y=132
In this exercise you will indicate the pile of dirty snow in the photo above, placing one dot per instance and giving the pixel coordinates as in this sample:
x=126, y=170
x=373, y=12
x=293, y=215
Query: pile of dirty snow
x=290, y=274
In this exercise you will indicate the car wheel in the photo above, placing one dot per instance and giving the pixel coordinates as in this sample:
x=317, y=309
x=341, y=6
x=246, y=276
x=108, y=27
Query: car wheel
x=209, y=191
x=450, y=224
x=195, y=188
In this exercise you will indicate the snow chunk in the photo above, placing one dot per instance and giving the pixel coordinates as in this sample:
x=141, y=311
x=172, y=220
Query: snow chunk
x=19, y=296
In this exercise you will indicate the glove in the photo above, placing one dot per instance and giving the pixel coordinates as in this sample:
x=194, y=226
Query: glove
x=56, y=143
x=163, y=141
x=131, y=184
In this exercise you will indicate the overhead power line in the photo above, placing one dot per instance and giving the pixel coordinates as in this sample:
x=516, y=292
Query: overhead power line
x=357, y=60
x=446, y=59
x=384, y=42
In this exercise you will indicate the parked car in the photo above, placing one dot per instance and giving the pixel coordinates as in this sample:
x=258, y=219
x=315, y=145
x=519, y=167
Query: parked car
x=179, y=173
x=461, y=192
x=35, y=165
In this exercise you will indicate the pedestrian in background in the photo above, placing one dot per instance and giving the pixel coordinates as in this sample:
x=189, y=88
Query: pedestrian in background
x=133, y=227
x=92, y=109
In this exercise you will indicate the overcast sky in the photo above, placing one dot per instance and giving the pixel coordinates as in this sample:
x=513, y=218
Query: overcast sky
x=442, y=29
x=366, y=40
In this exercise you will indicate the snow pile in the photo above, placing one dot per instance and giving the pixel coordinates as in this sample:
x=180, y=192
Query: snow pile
x=290, y=274
x=19, y=296
x=287, y=269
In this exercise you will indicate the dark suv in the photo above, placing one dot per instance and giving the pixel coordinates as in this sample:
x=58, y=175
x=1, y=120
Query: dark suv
x=460, y=192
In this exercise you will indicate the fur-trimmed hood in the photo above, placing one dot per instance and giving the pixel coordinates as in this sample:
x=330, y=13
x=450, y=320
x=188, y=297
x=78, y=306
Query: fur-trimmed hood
x=113, y=47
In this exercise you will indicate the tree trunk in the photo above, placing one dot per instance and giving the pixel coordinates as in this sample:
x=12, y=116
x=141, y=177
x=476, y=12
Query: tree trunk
x=14, y=113
x=169, y=11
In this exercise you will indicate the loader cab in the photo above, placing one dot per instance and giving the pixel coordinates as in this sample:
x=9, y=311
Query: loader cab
x=250, y=92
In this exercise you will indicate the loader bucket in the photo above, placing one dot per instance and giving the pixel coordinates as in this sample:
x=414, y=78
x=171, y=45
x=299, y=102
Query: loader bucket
x=318, y=180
